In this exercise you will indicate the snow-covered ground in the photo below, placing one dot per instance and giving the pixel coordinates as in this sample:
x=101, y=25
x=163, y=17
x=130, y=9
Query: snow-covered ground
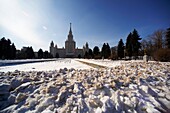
x=105, y=62
x=24, y=61
x=46, y=66
x=69, y=86
x=37, y=65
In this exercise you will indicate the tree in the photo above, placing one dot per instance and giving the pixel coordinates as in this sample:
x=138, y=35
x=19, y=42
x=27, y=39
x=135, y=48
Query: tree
x=7, y=50
x=156, y=46
x=150, y=48
x=132, y=44
x=4, y=48
x=108, y=51
x=40, y=53
x=13, y=51
x=30, y=53
x=120, y=49
x=103, y=51
x=114, y=53
x=162, y=55
x=96, y=52
x=46, y=54
x=129, y=45
x=167, y=38
x=136, y=45
x=90, y=53
x=157, y=39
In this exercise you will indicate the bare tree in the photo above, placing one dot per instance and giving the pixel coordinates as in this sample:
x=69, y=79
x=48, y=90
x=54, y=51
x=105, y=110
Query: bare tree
x=158, y=39
x=155, y=46
x=147, y=46
x=144, y=44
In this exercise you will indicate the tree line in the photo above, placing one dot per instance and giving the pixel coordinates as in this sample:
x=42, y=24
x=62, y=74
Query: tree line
x=44, y=54
x=132, y=46
x=8, y=51
x=130, y=49
x=28, y=53
x=156, y=46
x=97, y=54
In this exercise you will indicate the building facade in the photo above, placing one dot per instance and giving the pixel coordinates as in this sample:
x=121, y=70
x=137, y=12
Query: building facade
x=70, y=50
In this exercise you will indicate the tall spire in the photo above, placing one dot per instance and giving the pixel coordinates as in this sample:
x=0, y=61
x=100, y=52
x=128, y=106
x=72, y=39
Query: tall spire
x=70, y=35
x=70, y=32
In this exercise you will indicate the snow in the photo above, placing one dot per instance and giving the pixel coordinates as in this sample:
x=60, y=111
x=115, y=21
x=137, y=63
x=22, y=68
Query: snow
x=15, y=62
x=67, y=85
x=46, y=66
x=104, y=62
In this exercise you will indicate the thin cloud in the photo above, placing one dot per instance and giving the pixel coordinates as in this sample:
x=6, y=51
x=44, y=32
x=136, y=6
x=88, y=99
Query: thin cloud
x=44, y=27
x=19, y=24
x=54, y=34
x=25, y=13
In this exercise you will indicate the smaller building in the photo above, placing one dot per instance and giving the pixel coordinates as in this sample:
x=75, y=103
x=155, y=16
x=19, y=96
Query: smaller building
x=70, y=50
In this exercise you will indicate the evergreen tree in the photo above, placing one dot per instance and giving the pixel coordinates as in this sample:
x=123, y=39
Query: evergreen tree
x=114, y=53
x=46, y=54
x=7, y=50
x=120, y=49
x=30, y=53
x=40, y=53
x=96, y=52
x=13, y=51
x=4, y=48
x=90, y=53
x=1, y=48
x=136, y=45
x=108, y=51
x=129, y=45
x=168, y=38
x=104, y=50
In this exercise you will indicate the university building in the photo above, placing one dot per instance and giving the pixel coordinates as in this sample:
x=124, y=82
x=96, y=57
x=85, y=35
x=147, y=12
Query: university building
x=70, y=50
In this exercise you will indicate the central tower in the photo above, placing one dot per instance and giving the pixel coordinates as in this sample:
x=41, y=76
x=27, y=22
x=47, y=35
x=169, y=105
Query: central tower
x=70, y=44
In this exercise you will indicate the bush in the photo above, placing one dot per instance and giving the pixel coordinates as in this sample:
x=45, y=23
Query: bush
x=97, y=57
x=162, y=55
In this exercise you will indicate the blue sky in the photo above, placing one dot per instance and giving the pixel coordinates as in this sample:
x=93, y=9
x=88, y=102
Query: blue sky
x=37, y=22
